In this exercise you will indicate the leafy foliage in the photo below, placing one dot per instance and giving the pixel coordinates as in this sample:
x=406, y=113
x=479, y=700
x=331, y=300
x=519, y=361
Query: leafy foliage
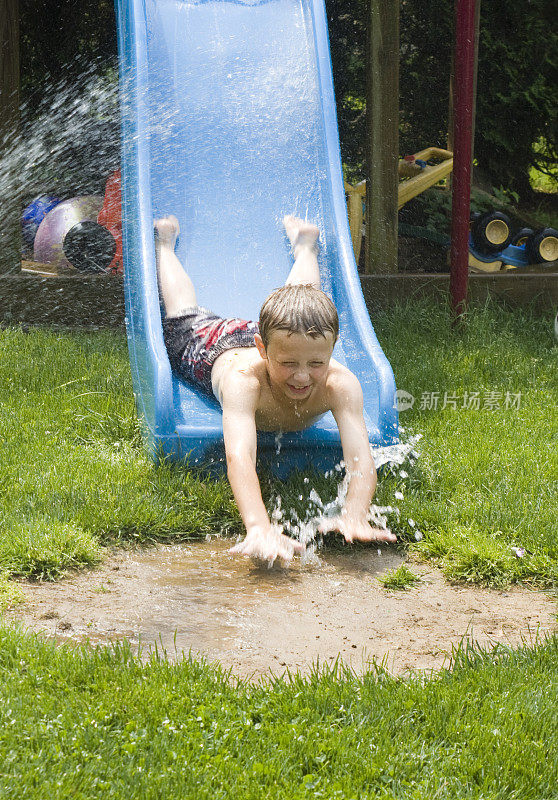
x=516, y=99
x=516, y=123
x=59, y=37
x=516, y=119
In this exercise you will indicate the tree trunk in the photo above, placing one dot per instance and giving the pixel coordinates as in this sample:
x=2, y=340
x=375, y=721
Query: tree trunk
x=382, y=145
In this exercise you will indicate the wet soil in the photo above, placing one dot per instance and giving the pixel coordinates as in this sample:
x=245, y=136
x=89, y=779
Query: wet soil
x=256, y=620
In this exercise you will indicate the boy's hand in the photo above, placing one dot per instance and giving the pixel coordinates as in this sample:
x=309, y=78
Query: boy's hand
x=356, y=530
x=267, y=544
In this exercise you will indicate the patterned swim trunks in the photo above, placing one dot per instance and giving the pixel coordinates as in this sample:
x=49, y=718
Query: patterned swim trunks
x=196, y=338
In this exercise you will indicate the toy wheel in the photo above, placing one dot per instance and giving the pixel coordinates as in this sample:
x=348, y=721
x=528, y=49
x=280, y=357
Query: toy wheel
x=491, y=232
x=520, y=238
x=543, y=246
x=89, y=247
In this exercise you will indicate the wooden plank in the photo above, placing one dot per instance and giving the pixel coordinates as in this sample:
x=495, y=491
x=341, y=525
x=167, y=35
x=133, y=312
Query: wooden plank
x=47, y=270
x=516, y=290
x=10, y=225
x=382, y=142
x=419, y=180
x=79, y=300
x=429, y=176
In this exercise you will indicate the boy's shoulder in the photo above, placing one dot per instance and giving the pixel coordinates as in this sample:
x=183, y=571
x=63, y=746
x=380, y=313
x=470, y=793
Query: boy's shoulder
x=237, y=376
x=340, y=376
x=343, y=386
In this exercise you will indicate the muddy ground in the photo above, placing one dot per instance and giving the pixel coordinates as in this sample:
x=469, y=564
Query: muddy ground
x=256, y=620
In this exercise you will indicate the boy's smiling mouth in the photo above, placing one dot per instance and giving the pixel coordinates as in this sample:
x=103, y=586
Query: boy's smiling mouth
x=300, y=390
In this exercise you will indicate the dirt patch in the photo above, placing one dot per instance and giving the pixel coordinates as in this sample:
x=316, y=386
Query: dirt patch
x=254, y=620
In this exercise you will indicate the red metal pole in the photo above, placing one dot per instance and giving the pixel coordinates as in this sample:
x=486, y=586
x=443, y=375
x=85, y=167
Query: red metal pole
x=462, y=157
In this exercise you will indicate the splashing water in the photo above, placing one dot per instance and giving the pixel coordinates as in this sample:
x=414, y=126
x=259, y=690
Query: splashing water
x=68, y=145
x=396, y=454
x=307, y=529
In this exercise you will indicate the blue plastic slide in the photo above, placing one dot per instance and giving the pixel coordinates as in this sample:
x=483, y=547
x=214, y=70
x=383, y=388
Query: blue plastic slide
x=228, y=122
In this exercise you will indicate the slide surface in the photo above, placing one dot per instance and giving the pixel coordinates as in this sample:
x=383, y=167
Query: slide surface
x=228, y=122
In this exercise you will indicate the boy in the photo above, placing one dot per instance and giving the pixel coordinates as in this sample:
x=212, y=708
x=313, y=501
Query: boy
x=278, y=376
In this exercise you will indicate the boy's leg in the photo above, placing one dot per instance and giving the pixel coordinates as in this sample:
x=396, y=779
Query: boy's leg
x=175, y=285
x=304, y=238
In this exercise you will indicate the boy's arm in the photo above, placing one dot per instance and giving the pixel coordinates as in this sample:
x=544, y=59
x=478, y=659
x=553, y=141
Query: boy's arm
x=347, y=408
x=239, y=402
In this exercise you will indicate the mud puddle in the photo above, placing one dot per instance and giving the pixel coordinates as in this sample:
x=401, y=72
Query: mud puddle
x=256, y=620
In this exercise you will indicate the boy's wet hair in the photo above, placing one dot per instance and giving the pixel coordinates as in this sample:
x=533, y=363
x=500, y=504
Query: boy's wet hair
x=298, y=308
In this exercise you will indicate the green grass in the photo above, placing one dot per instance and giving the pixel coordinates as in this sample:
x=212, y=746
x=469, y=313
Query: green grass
x=85, y=723
x=10, y=594
x=77, y=478
x=100, y=724
x=486, y=479
x=400, y=578
x=72, y=460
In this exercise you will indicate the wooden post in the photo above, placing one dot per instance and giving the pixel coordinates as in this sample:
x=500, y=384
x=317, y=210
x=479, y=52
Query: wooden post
x=382, y=146
x=449, y=139
x=10, y=213
x=463, y=149
x=451, y=82
x=475, y=75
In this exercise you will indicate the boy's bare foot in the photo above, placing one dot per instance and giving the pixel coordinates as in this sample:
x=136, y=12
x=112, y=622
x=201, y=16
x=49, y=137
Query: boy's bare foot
x=300, y=232
x=168, y=230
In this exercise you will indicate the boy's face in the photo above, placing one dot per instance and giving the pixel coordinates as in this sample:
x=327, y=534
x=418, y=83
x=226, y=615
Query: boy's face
x=297, y=364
